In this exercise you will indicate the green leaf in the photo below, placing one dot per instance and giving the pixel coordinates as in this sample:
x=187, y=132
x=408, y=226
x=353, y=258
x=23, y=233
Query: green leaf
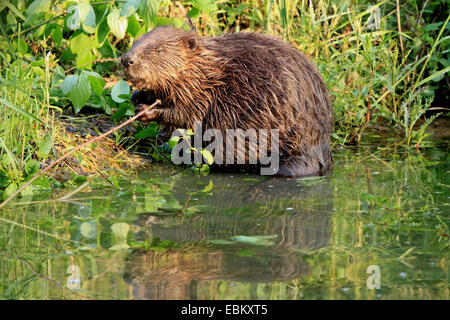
x=133, y=27
x=10, y=190
x=150, y=132
x=89, y=25
x=69, y=83
x=173, y=141
x=32, y=166
x=81, y=13
x=434, y=75
x=97, y=82
x=45, y=147
x=41, y=183
x=57, y=34
x=208, y=156
x=80, y=92
x=149, y=12
x=20, y=110
x=82, y=45
x=13, y=9
x=4, y=180
x=123, y=108
x=130, y=7
x=121, y=87
x=117, y=24
x=28, y=191
x=432, y=26
x=102, y=31
x=205, y=5
x=209, y=187
x=20, y=46
x=37, y=7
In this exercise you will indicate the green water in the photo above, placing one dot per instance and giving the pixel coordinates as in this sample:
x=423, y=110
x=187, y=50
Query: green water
x=170, y=233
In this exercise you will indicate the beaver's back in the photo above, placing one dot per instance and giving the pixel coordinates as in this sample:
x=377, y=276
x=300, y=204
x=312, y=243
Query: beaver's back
x=271, y=84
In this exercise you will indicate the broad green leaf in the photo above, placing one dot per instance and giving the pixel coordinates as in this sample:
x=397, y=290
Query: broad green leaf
x=4, y=180
x=45, y=146
x=20, y=46
x=120, y=113
x=133, y=27
x=82, y=45
x=174, y=141
x=57, y=34
x=41, y=183
x=97, y=82
x=69, y=83
x=208, y=156
x=81, y=42
x=205, y=5
x=102, y=31
x=9, y=190
x=209, y=187
x=121, y=87
x=38, y=6
x=150, y=132
x=245, y=253
x=149, y=12
x=27, y=192
x=20, y=110
x=117, y=24
x=130, y=8
x=58, y=76
x=120, y=229
x=89, y=25
x=81, y=13
x=32, y=166
x=13, y=9
x=80, y=93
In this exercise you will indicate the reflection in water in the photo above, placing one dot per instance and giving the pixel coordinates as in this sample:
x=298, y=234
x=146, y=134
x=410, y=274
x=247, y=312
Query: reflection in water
x=174, y=234
x=293, y=216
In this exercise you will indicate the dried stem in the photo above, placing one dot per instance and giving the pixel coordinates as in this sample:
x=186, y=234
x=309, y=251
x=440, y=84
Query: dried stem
x=400, y=29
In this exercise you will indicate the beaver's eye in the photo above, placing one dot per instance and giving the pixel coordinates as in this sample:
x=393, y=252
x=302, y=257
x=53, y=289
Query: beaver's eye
x=159, y=50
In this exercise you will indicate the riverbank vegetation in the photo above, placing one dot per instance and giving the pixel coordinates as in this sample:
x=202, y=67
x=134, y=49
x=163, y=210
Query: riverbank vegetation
x=385, y=63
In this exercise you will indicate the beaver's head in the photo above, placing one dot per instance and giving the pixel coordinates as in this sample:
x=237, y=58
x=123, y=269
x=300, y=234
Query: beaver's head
x=158, y=58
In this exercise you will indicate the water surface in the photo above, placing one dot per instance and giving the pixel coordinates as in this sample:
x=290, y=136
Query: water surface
x=170, y=233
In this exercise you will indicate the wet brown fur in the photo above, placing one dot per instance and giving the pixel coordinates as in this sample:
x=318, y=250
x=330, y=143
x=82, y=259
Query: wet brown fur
x=240, y=80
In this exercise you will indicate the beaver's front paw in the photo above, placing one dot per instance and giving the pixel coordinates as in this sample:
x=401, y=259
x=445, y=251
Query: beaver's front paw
x=150, y=115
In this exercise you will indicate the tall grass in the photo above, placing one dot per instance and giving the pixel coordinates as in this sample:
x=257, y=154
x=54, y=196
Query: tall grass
x=26, y=123
x=372, y=82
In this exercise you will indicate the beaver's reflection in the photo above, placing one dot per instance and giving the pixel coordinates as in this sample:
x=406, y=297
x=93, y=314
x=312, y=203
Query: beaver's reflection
x=289, y=216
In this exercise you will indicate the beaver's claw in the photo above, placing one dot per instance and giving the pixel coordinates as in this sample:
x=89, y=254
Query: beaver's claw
x=150, y=115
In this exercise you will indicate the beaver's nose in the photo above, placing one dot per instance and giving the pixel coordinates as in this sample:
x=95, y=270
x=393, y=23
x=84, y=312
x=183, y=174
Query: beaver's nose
x=126, y=60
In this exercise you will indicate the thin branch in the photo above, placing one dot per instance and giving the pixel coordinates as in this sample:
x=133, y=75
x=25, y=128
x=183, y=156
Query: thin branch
x=93, y=62
x=37, y=26
x=54, y=163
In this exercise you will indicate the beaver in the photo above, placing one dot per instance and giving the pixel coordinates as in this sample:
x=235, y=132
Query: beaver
x=236, y=81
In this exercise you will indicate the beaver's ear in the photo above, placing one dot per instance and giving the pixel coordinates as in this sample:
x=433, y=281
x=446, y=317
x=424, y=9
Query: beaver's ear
x=191, y=42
